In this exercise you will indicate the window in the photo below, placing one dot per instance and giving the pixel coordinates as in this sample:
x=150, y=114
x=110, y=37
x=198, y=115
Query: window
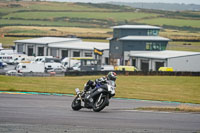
x=148, y=46
x=76, y=54
x=163, y=47
x=89, y=62
x=154, y=46
x=88, y=54
x=155, y=32
x=152, y=32
x=23, y=66
x=149, y=32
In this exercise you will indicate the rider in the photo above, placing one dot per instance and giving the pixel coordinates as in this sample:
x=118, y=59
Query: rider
x=91, y=84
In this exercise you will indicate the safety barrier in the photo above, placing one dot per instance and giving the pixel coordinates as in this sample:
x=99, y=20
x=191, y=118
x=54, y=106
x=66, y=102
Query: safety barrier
x=90, y=73
x=83, y=73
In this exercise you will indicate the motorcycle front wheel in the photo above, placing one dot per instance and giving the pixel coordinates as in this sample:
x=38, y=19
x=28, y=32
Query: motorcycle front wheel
x=76, y=104
x=100, y=104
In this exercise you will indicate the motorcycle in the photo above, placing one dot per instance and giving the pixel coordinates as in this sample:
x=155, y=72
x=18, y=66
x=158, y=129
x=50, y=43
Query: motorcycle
x=96, y=99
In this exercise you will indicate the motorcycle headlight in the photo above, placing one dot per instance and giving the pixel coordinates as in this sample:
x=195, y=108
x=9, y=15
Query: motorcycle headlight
x=85, y=85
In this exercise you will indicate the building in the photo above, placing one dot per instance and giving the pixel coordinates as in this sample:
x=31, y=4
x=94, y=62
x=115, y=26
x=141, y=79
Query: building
x=128, y=38
x=61, y=47
x=178, y=60
x=142, y=47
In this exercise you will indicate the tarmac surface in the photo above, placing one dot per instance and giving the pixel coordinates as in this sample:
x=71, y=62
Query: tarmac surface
x=53, y=114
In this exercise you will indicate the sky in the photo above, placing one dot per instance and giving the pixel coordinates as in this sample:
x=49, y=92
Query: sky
x=147, y=1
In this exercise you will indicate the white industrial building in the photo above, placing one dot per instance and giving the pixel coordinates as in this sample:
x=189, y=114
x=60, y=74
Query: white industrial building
x=153, y=60
x=61, y=47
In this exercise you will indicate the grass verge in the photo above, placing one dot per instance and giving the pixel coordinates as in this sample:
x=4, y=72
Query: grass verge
x=162, y=88
x=180, y=108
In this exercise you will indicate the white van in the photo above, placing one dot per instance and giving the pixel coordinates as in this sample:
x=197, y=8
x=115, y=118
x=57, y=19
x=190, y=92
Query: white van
x=30, y=67
x=23, y=59
x=52, y=66
x=69, y=62
x=6, y=59
x=41, y=59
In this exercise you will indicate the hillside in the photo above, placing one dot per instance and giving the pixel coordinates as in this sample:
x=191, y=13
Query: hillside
x=88, y=20
x=161, y=6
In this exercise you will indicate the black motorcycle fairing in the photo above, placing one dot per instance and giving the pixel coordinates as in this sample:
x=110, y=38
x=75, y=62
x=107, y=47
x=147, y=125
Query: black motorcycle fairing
x=96, y=92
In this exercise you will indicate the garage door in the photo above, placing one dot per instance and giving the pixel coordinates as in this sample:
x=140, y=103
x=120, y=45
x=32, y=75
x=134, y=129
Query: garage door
x=159, y=64
x=145, y=65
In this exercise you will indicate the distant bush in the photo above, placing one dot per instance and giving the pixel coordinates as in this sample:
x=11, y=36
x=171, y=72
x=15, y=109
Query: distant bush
x=14, y=5
x=104, y=5
x=186, y=28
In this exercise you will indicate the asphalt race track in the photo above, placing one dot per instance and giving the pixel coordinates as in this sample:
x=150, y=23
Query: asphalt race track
x=53, y=114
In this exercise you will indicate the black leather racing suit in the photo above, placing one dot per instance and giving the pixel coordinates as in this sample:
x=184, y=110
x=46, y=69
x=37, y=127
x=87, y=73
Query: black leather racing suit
x=92, y=84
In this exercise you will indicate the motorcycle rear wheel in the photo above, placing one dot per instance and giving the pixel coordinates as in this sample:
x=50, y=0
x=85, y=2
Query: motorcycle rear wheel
x=98, y=106
x=76, y=104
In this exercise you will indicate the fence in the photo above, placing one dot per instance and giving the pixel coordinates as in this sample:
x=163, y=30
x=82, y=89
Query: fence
x=34, y=74
x=87, y=73
x=133, y=73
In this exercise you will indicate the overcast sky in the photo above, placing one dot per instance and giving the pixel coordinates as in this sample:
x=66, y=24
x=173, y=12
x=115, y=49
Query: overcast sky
x=149, y=1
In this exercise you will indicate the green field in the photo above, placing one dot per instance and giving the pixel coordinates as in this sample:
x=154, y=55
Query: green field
x=55, y=18
x=51, y=6
x=184, y=46
x=5, y=22
x=172, y=22
x=163, y=88
x=116, y=16
x=103, y=15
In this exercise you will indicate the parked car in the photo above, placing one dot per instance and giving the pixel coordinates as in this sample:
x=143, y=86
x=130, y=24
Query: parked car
x=69, y=62
x=166, y=69
x=125, y=68
x=3, y=64
x=13, y=73
x=56, y=70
